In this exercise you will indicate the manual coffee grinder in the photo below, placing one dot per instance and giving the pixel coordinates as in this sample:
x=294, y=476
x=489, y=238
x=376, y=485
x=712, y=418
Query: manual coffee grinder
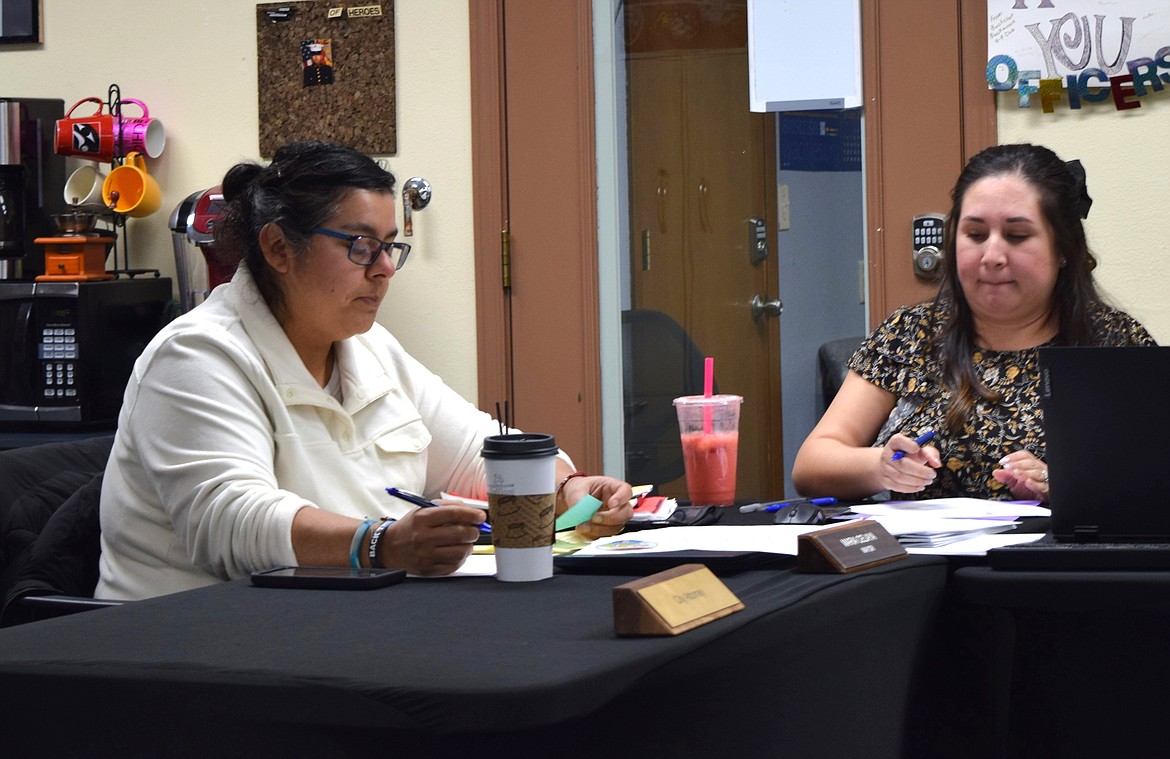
x=78, y=253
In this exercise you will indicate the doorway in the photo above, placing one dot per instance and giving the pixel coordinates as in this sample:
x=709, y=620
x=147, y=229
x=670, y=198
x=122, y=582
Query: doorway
x=700, y=247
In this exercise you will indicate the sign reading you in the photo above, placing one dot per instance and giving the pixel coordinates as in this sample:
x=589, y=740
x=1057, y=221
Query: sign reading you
x=1066, y=53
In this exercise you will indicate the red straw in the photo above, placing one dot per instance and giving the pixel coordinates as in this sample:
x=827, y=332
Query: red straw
x=708, y=390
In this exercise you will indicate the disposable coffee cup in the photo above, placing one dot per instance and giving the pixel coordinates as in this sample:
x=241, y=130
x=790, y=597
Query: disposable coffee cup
x=709, y=428
x=521, y=483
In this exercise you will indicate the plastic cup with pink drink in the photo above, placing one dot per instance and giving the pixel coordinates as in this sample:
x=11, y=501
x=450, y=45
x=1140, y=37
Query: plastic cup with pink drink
x=709, y=427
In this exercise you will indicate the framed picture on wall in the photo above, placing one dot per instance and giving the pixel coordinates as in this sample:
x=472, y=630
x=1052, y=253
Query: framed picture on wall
x=20, y=21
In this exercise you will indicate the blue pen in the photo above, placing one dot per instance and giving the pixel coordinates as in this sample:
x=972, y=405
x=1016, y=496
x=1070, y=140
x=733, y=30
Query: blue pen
x=423, y=503
x=777, y=505
x=922, y=439
x=827, y=501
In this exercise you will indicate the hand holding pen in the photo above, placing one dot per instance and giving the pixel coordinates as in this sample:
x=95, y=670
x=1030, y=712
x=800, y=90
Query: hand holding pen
x=901, y=474
x=429, y=541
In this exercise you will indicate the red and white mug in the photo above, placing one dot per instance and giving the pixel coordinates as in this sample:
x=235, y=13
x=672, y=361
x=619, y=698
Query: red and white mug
x=102, y=136
x=90, y=137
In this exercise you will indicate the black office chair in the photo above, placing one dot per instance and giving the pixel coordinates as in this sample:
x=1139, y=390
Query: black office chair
x=50, y=529
x=660, y=363
x=831, y=370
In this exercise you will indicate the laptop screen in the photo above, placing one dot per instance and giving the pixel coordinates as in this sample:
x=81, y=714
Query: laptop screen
x=1107, y=433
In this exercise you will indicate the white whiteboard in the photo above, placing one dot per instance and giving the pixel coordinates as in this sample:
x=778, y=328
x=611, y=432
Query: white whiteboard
x=804, y=54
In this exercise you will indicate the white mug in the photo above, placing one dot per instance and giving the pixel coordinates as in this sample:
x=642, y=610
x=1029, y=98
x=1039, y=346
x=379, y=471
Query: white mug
x=84, y=187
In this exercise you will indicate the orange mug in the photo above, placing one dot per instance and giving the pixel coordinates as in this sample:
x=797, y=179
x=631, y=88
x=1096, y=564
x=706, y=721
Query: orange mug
x=130, y=190
x=90, y=137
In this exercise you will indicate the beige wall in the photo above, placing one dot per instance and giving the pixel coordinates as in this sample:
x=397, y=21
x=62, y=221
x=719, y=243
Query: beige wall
x=194, y=65
x=1126, y=161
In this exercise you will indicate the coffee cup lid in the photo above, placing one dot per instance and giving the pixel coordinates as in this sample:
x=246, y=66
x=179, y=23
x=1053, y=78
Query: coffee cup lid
x=518, y=445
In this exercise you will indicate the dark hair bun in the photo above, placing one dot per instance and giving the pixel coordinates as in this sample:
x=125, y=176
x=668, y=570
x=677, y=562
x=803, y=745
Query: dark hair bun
x=238, y=179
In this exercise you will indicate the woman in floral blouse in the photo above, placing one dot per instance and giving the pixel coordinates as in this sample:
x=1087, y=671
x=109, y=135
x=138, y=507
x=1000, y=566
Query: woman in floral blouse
x=1017, y=276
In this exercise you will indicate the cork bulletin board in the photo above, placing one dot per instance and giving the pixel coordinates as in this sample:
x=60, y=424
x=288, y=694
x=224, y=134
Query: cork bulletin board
x=325, y=71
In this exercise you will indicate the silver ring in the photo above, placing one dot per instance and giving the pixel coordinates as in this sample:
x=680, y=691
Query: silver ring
x=1044, y=477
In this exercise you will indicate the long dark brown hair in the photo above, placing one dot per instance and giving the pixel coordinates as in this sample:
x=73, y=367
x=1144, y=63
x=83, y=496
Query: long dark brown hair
x=1064, y=203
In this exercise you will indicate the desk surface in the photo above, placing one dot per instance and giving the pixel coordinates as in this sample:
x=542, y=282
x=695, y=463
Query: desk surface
x=473, y=655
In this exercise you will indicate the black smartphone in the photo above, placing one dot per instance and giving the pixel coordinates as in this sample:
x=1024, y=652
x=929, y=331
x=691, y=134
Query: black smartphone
x=332, y=578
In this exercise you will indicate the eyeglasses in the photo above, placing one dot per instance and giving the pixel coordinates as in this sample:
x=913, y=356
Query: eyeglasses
x=364, y=250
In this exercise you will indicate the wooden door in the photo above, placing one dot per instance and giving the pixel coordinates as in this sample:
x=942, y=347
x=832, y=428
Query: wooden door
x=698, y=177
x=534, y=191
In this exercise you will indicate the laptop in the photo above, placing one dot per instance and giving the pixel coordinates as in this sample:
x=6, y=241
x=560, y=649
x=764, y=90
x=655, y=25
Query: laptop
x=1107, y=432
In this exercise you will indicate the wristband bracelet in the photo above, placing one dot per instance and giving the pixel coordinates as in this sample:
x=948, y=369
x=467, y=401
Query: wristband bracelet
x=358, y=536
x=568, y=477
x=373, y=552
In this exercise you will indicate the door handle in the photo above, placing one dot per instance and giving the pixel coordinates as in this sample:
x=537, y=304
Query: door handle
x=704, y=216
x=416, y=194
x=761, y=307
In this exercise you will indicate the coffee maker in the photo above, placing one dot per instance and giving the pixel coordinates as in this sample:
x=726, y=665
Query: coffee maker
x=32, y=182
x=197, y=262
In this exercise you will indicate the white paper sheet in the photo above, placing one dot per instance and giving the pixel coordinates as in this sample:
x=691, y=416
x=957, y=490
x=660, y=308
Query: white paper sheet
x=768, y=538
x=477, y=565
x=955, y=508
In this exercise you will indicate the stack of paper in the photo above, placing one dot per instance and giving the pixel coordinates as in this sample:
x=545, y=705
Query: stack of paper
x=931, y=523
x=931, y=533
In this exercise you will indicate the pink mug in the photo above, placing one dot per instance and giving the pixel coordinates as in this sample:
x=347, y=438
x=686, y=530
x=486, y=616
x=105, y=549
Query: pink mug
x=90, y=137
x=139, y=134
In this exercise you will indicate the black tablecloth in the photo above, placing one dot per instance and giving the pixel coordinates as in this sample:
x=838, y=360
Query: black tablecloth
x=472, y=664
x=1055, y=664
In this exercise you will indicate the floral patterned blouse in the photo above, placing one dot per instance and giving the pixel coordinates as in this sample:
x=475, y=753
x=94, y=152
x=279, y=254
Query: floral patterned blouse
x=896, y=358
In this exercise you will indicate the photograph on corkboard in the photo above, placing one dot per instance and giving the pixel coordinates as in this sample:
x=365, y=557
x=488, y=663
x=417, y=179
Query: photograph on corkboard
x=326, y=72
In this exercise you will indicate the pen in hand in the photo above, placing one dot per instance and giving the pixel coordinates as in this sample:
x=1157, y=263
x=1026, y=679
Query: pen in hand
x=423, y=503
x=922, y=439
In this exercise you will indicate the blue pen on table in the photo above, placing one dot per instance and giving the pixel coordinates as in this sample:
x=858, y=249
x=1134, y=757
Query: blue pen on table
x=827, y=501
x=423, y=503
x=777, y=505
x=922, y=439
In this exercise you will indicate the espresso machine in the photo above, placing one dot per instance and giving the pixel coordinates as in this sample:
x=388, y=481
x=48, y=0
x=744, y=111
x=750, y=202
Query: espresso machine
x=32, y=182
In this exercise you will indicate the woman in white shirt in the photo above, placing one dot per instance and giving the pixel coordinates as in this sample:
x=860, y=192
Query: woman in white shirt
x=263, y=427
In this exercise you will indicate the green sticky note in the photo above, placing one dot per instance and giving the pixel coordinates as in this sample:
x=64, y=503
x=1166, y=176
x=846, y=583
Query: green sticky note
x=581, y=511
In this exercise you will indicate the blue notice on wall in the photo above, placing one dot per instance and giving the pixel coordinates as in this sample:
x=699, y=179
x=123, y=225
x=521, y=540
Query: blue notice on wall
x=821, y=141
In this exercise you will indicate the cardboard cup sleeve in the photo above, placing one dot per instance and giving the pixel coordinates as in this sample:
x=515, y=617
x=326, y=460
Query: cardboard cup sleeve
x=522, y=521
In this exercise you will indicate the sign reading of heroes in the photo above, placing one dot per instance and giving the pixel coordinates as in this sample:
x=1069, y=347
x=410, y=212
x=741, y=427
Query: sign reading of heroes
x=1051, y=49
x=364, y=11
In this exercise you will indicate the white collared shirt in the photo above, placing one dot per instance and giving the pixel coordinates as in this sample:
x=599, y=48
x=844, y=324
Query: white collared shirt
x=224, y=435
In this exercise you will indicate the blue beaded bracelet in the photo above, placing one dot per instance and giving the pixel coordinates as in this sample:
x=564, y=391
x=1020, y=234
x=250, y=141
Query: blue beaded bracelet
x=358, y=537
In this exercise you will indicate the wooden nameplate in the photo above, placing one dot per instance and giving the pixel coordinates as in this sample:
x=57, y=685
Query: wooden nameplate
x=671, y=602
x=846, y=548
